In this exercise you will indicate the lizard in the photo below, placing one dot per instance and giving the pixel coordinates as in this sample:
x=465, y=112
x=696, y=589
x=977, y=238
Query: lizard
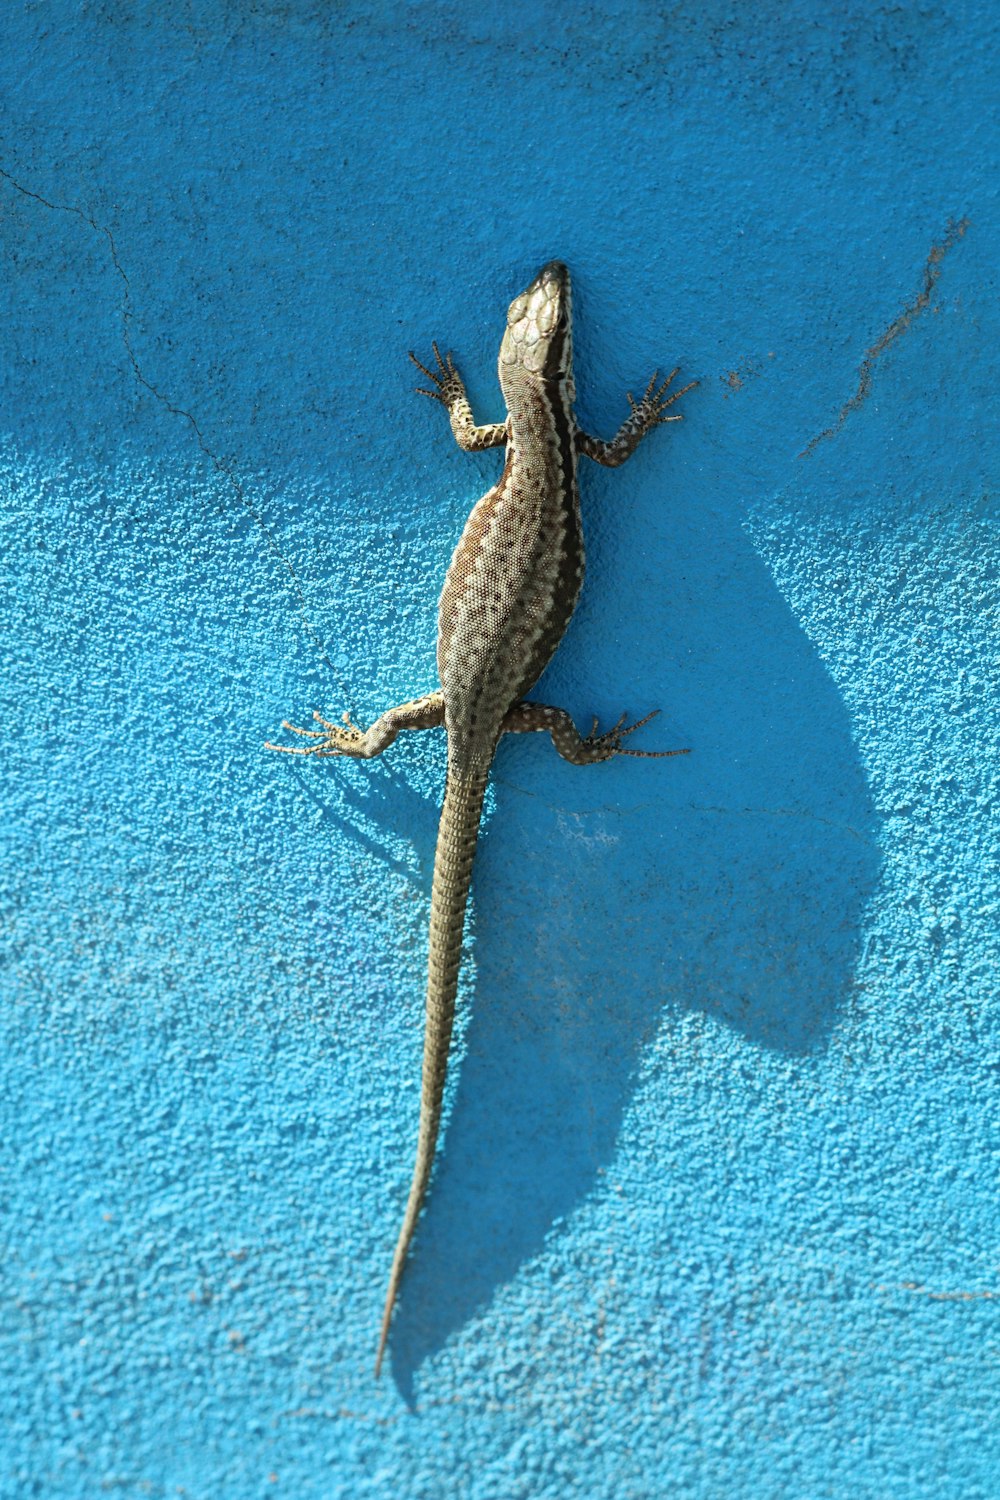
x=508, y=596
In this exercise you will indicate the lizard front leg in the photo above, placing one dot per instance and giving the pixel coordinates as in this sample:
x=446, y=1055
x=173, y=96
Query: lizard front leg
x=363, y=744
x=449, y=389
x=526, y=718
x=646, y=414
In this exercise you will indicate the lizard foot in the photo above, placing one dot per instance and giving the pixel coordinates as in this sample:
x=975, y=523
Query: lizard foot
x=649, y=411
x=604, y=746
x=332, y=739
x=448, y=384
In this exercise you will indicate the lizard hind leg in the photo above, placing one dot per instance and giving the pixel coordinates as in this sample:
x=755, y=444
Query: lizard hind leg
x=525, y=718
x=348, y=738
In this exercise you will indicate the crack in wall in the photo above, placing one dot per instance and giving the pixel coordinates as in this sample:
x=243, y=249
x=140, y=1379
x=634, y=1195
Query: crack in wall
x=899, y=325
x=219, y=464
x=783, y=812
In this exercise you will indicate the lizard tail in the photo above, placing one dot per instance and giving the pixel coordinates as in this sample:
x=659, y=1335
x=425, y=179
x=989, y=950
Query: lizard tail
x=456, y=847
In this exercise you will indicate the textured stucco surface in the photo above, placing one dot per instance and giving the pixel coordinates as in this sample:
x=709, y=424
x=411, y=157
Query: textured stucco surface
x=716, y=1213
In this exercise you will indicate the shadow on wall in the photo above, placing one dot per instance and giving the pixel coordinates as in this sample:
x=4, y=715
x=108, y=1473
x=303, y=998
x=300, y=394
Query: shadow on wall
x=738, y=891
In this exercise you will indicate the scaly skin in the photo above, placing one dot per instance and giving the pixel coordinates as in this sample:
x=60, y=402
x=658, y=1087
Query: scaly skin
x=508, y=596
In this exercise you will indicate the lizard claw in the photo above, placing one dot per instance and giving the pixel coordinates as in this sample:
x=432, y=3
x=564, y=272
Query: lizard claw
x=650, y=410
x=447, y=383
x=332, y=739
x=644, y=754
x=610, y=743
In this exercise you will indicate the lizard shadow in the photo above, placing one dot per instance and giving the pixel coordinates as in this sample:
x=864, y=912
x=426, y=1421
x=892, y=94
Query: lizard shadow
x=731, y=882
x=386, y=801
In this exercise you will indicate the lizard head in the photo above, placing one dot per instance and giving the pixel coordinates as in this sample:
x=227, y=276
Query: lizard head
x=539, y=337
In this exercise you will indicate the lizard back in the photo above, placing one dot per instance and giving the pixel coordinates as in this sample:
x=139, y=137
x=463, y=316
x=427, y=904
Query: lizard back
x=517, y=571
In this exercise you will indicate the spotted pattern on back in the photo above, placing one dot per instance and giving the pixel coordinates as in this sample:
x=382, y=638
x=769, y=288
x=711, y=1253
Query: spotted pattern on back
x=518, y=568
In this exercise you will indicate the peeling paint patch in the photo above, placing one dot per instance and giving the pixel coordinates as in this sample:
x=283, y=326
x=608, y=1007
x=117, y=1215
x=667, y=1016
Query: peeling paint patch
x=735, y=379
x=899, y=325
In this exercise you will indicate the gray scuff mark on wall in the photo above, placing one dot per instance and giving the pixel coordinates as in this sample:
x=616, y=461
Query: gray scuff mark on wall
x=221, y=467
x=899, y=325
x=984, y=1295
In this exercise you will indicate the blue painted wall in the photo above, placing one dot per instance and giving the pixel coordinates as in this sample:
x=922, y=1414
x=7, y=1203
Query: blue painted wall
x=716, y=1211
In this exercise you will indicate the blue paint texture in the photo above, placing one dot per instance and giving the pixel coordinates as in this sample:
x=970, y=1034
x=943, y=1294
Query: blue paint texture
x=716, y=1210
